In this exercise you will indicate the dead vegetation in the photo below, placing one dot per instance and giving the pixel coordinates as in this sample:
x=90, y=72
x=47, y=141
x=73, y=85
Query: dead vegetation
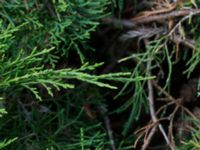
x=170, y=24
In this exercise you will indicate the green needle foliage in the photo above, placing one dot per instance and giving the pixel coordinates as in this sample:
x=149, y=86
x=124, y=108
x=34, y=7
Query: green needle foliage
x=42, y=114
x=63, y=24
x=193, y=142
x=5, y=143
x=27, y=71
x=49, y=103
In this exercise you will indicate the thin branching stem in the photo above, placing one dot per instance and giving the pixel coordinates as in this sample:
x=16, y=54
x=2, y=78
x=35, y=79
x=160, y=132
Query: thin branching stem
x=152, y=111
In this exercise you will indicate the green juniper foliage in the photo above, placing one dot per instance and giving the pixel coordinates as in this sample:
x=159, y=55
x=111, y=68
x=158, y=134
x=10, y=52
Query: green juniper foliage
x=5, y=142
x=64, y=24
x=30, y=30
x=42, y=99
x=193, y=142
x=27, y=71
x=34, y=34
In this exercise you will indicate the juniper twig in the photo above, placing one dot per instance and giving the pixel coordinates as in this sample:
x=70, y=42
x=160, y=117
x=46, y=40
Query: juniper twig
x=152, y=111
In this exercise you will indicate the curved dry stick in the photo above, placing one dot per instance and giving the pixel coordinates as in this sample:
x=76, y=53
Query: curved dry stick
x=156, y=12
x=170, y=130
x=147, y=141
x=191, y=13
x=153, y=113
x=154, y=18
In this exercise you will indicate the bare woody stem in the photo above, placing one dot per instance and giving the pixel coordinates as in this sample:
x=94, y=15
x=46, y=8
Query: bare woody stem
x=153, y=113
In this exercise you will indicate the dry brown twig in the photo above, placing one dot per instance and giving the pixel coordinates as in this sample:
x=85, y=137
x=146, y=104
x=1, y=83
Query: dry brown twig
x=163, y=9
x=154, y=18
x=147, y=131
x=187, y=16
x=108, y=127
x=148, y=139
x=170, y=129
x=110, y=134
x=186, y=42
x=172, y=100
x=152, y=126
x=177, y=39
x=152, y=111
x=178, y=103
x=164, y=14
